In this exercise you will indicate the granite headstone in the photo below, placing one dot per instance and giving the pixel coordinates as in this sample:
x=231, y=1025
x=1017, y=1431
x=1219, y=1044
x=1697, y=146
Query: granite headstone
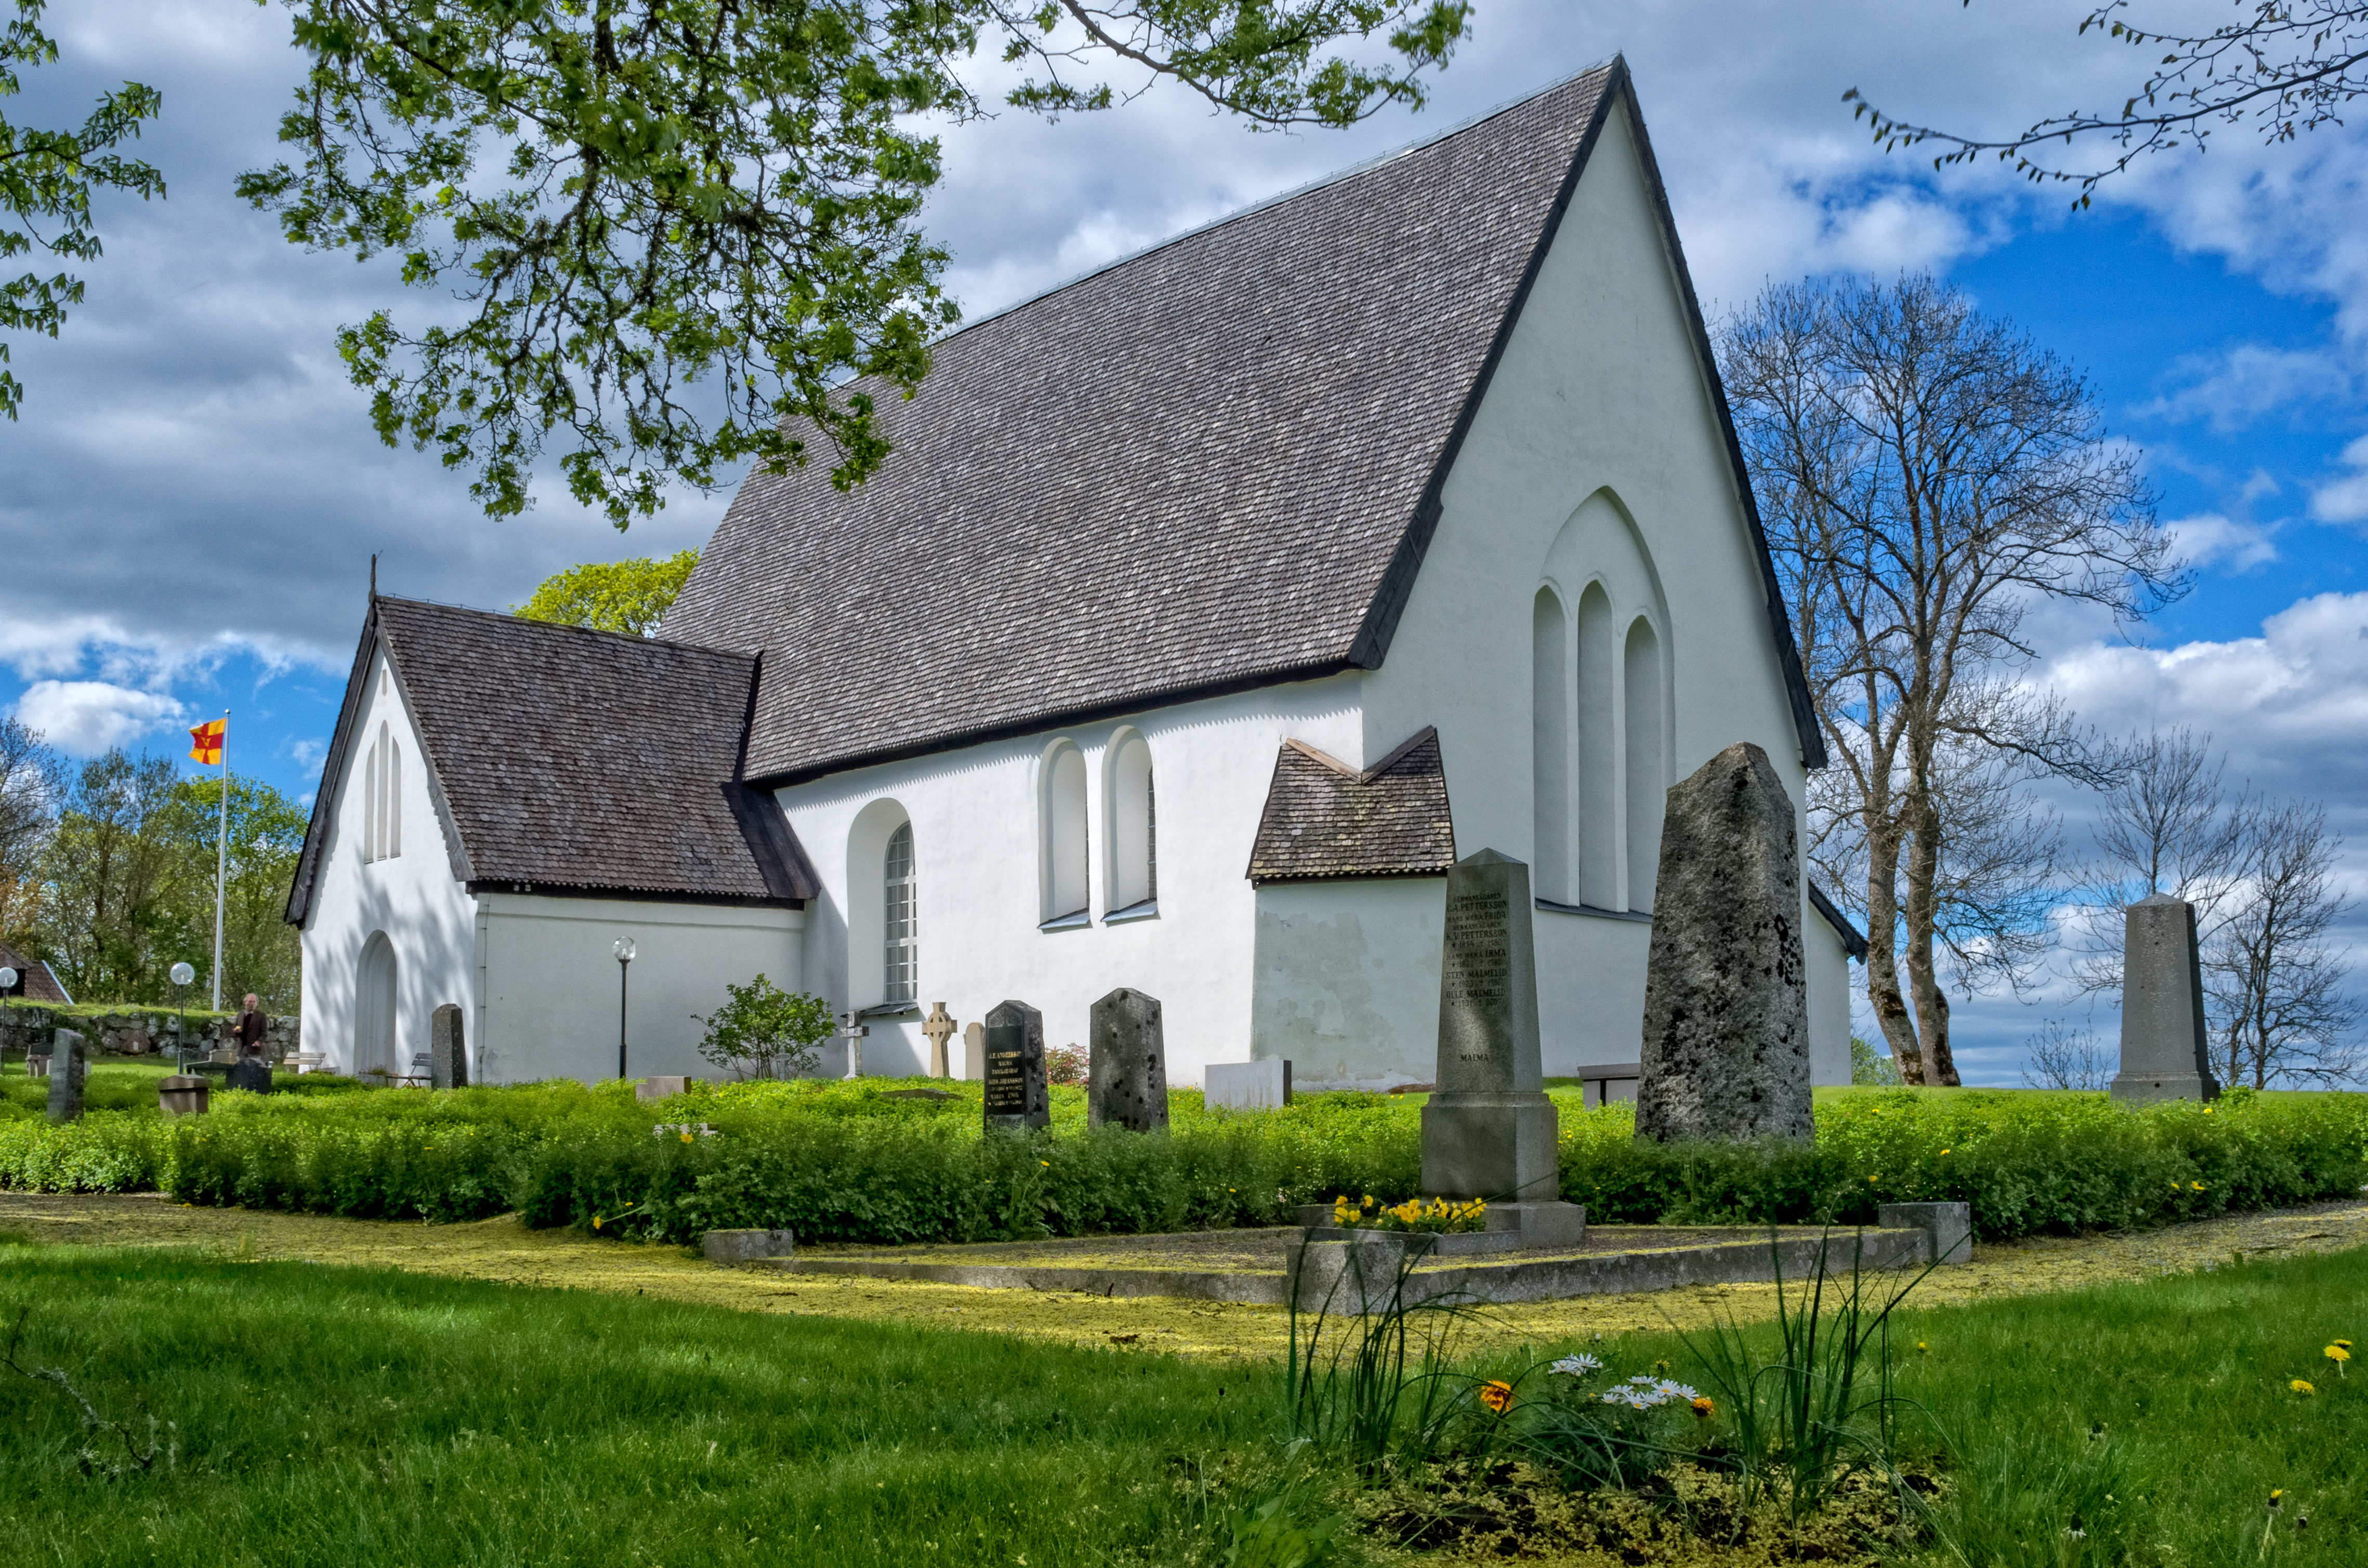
x=974, y=1051
x=1126, y=1071
x=1488, y=1131
x=67, y=1066
x=2164, y=1055
x=1726, y=1025
x=1016, y=1095
x=250, y=1074
x=448, y=1050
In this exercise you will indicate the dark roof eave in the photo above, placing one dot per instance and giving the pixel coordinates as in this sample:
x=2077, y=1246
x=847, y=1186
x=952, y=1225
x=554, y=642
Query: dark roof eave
x=1354, y=874
x=521, y=889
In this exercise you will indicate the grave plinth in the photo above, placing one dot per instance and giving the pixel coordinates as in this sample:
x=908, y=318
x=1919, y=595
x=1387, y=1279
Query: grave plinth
x=1126, y=1074
x=184, y=1094
x=1016, y=1095
x=2164, y=1054
x=1488, y=1131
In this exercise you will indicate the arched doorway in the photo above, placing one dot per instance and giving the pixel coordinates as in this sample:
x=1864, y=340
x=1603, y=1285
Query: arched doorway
x=374, y=1007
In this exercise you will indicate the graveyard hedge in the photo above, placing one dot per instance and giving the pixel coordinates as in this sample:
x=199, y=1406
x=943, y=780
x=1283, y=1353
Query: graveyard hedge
x=850, y=1162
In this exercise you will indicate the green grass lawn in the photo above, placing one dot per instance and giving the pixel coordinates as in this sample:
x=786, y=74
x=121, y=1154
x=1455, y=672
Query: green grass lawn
x=325, y=1415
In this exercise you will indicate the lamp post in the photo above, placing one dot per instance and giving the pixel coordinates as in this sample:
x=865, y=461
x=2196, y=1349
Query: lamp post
x=624, y=951
x=181, y=974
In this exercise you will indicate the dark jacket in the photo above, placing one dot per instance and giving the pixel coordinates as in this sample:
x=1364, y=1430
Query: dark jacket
x=249, y=1030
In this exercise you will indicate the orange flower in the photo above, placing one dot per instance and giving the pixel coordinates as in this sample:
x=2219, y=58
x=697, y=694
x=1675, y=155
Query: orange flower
x=1704, y=1407
x=1497, y=1396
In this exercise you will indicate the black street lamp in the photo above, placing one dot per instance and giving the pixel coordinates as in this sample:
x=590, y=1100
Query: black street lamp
x=624, y=951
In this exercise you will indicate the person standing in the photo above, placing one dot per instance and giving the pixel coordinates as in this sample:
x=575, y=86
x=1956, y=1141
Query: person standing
x=251, y=1028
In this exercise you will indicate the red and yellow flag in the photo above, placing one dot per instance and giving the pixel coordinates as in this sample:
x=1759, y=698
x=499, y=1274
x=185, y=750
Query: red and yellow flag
x=206, y=743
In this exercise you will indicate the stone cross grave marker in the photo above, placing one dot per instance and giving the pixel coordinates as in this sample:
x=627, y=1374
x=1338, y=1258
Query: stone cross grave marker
x=1126, y=1073
x=940, y=1027
x=852, y=1032
x=2164, y=1056
x=1488, y=1131
x=67, y=1066
x=974, y=1051
x=1017, y=1096
x=448, y=1055
x=1727, y=1013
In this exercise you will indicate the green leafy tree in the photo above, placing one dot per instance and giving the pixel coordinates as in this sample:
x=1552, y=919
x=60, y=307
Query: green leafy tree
x=260, y=950
x=765, y=1032
x=1869, y=1066
x=46, y=178
x=108, y=913
x=627, y=596
x=686, y=231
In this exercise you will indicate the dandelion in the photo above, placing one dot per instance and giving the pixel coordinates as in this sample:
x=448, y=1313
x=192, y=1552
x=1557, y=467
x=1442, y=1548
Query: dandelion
x=1576, y=1366
x=2339, y=1354
x=2277, y=1496
x=688, y=1137
x=1048, y=1165
x=2195, y=1187
x=1703, y=1406
x=2302, y=1386
x=1497, y=1396
x=1922, y=1348
x=1945, y=1151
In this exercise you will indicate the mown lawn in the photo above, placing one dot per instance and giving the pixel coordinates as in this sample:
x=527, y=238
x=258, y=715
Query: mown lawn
x=320, y=1414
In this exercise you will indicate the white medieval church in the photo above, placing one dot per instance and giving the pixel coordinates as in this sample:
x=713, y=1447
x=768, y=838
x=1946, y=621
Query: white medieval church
x=1208, y=609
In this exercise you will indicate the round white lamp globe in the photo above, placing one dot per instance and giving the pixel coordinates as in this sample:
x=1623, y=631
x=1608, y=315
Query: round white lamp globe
x=182, y=974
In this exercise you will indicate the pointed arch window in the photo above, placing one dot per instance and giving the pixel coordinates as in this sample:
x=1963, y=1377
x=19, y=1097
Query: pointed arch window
x=1648, y=772
x=1549, y=743
x=382, y=799
x=900, y=962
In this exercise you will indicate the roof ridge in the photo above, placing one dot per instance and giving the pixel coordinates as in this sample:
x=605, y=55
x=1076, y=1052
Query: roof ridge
x=1306, y=187
x=625, y=637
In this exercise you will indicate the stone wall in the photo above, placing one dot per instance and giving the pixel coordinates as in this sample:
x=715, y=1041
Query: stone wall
x=130, y=1030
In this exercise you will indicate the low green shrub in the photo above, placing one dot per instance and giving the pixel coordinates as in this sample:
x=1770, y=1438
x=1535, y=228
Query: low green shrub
x=856, y=1162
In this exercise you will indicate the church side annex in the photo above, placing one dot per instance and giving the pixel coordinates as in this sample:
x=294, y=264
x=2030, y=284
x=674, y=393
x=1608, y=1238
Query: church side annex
x=1269, y=570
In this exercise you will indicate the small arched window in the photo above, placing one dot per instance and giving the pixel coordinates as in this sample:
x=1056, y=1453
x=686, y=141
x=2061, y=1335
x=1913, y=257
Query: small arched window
x=1550, y=746
x=1648, y=782
x=1065, y=894
x=1135, y=827
x=1599, y=826
x=900, y=964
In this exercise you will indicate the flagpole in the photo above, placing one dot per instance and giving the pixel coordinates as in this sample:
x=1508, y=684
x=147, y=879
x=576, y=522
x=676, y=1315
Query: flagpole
x=222, y=857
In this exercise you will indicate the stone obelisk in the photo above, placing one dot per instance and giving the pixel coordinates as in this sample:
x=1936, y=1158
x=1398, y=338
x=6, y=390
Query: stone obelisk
x=2164, y=1056
x=1488, y=1131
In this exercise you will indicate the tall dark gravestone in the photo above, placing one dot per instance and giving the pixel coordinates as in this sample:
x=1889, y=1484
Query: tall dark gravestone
x=1017, y=1096
x=1488, y=1131
x=67, y=1066
x=1727, y=1007
x=2164, y=1056
x=1126, y=1075
x=448, y=1054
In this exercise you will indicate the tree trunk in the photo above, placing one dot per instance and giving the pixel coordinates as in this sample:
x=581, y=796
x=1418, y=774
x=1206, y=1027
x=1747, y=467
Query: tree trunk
x=1923, y=919
x=1882, y=968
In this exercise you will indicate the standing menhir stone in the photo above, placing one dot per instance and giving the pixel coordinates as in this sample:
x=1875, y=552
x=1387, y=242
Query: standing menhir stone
x=66, y=1069
x=2163, y=1051
x=1017, y=1096
x=447, y=1051
x=1726, y=1029
x=1126, y=1080
x=1488, y=1131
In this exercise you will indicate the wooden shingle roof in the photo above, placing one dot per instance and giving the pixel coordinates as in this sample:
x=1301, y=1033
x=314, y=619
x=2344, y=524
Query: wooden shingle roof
x=1326, y=821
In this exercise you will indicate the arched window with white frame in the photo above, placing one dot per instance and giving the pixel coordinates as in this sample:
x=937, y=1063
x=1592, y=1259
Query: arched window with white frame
x=1600, y=827
x=1134, y=827
x=381, y=804
x=1550, y=769
x=1648, y=766
x=900, y=960
x=1067, y=897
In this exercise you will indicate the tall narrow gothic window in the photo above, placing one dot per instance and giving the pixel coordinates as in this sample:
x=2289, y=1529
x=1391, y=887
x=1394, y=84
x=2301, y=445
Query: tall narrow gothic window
x=1549, y=745
x=1648, y=782
x=1065, y=835
x=1135, y=827
x=382, y=799
x=1600, y=827
x=900, y=955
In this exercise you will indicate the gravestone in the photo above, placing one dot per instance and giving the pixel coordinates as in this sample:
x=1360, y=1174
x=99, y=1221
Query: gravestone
x=1726, y=1025
x=66, y=1069
x=974, y=1051
x=939, y=1027
x=2163, y=1053
x=1246, y=1085
x=662, y=1087
x=1488, y=1131
x=1126, y=1071
x=1017, y=1096
x=184, y=1094
x=447, y=1051
x=251, y=1073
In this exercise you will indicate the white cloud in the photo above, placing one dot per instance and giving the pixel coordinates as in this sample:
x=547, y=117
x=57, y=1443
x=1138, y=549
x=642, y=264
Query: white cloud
x=2209, y=539
x=82, y=718
x=2234, y=388
x=2345, y=500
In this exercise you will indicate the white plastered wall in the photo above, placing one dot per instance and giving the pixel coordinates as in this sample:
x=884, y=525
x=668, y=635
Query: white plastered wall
x=548, y=986
x=1599, y=394
x=1348, y=979
x=977, y=824
x=413, y=897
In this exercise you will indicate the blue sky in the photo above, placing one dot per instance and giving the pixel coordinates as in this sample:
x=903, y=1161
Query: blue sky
x=189, y=504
